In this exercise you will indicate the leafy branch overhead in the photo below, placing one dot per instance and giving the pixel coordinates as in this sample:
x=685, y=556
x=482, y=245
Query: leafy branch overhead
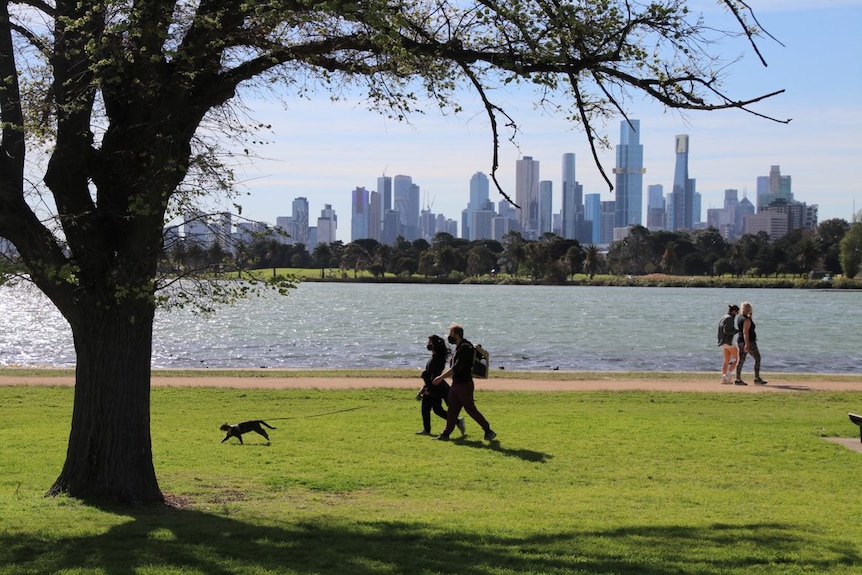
x=167, y=64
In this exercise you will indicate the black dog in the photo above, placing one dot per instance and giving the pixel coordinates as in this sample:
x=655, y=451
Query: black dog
x=238, y=429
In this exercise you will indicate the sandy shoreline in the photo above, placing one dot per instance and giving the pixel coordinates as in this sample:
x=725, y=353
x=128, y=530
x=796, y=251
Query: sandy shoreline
x=778, y=383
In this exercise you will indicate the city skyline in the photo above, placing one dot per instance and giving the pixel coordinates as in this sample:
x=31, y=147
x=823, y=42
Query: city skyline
x=324, y=150
x=597, y=222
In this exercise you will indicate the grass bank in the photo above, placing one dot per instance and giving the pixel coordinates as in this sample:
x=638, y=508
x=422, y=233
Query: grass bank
x=777, y=281
x=580, y=482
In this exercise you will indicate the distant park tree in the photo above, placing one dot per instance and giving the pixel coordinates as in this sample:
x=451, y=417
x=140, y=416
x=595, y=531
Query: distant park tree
x=851, y=250
x=112, y=115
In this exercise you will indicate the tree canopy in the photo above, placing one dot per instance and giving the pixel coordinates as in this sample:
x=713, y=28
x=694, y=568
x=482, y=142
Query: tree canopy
x=112, y=113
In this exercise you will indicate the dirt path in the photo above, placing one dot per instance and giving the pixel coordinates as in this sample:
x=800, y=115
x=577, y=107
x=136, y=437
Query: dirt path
x=778, y=383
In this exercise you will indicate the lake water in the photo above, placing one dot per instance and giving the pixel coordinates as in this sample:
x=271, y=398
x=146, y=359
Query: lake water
x=339, y=325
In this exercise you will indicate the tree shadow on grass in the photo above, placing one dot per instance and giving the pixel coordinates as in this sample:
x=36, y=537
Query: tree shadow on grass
x=171, y=540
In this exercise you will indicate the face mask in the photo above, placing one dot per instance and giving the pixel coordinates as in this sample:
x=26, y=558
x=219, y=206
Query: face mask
x=451, y=339
x=429, y=347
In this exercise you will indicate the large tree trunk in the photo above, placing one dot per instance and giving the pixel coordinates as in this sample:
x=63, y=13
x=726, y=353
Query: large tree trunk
x=109, y=458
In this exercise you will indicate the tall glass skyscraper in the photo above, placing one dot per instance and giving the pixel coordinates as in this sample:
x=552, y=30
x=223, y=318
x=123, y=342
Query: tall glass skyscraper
x=360, y=220
x=546, y=206
x=628, y=200
x=300, y=219
x=527, y=196
x=406, y=198
x=479, y=193
x=682, y=195
x=384, y=188
x=572, y=201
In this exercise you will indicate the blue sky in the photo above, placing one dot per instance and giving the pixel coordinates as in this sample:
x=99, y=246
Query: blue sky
x=323, y=151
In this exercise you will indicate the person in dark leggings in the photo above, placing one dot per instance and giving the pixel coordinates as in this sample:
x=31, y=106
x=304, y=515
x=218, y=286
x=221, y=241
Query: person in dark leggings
x=433, y=396
x=747, y=342
x=461, y=391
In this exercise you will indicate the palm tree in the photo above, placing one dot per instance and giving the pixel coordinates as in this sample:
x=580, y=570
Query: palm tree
x=592, y=260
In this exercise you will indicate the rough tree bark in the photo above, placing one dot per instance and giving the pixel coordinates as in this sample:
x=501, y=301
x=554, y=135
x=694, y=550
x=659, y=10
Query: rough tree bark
x=109, y=456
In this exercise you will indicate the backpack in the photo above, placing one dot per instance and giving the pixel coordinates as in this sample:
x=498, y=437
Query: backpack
x=726, y=330
x=481, y=362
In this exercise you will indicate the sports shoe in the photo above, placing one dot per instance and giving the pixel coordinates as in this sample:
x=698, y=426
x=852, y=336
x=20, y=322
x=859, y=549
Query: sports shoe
x=725, y=379
x=759, y=381
x=441, y=437
x=423, y=432
x=461, y=427
x=490, y=435
x=739, y=382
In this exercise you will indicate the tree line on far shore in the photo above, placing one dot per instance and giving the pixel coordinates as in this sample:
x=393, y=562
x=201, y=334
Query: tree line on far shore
x=833, y=248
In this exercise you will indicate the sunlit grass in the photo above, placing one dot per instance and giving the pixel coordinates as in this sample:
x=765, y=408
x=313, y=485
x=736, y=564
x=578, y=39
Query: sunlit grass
x=580, y=482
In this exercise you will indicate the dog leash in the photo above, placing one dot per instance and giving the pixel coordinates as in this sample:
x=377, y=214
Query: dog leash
x=314, y=415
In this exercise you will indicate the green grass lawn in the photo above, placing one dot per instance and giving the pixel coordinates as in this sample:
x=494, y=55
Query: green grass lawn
x=579, y=482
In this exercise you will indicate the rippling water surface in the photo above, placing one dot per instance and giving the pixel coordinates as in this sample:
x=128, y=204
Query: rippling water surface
x=332, y=325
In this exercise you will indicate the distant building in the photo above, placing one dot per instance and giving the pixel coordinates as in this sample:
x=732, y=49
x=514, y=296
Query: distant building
x=527, y=196
x=773, y=187
x=593, y=216
x=682, y=196
x=743, y=209
x=572, y=210
x=360, y=214
x=327, y=225
x=546, y=207
x=286, y=228
x=656, y=208
x=775, y=224
x=629, y=170
x=375, y=215
x=607, y=217
x=479, y=194
x=300, y=218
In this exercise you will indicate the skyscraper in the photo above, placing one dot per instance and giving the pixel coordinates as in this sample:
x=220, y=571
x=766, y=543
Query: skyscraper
x=682, y=195
x=327, y=225
x=546, y=207
x=375, y=215
x=401, y=197
x=572, y=208
x=593, y=215
x=479, y=189
x=360, y=219
x=384, y=188
x=300, y=219
x=629, y=170
x=527, y=196
x=656, y=211
x=406, y=198
x=773, y=187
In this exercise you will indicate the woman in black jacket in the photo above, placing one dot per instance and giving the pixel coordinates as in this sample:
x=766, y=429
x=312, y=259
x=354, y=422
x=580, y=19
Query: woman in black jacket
x=433, y=396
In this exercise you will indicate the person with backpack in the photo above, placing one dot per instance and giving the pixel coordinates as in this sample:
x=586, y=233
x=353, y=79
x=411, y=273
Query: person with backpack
x=461, y=390
x=726, y=331
x=747, y=344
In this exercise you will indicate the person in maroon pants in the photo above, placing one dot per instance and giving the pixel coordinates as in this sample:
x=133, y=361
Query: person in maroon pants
x=461, y=391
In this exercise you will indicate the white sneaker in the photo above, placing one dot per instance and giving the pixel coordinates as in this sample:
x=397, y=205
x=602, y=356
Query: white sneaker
x=725, y=379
